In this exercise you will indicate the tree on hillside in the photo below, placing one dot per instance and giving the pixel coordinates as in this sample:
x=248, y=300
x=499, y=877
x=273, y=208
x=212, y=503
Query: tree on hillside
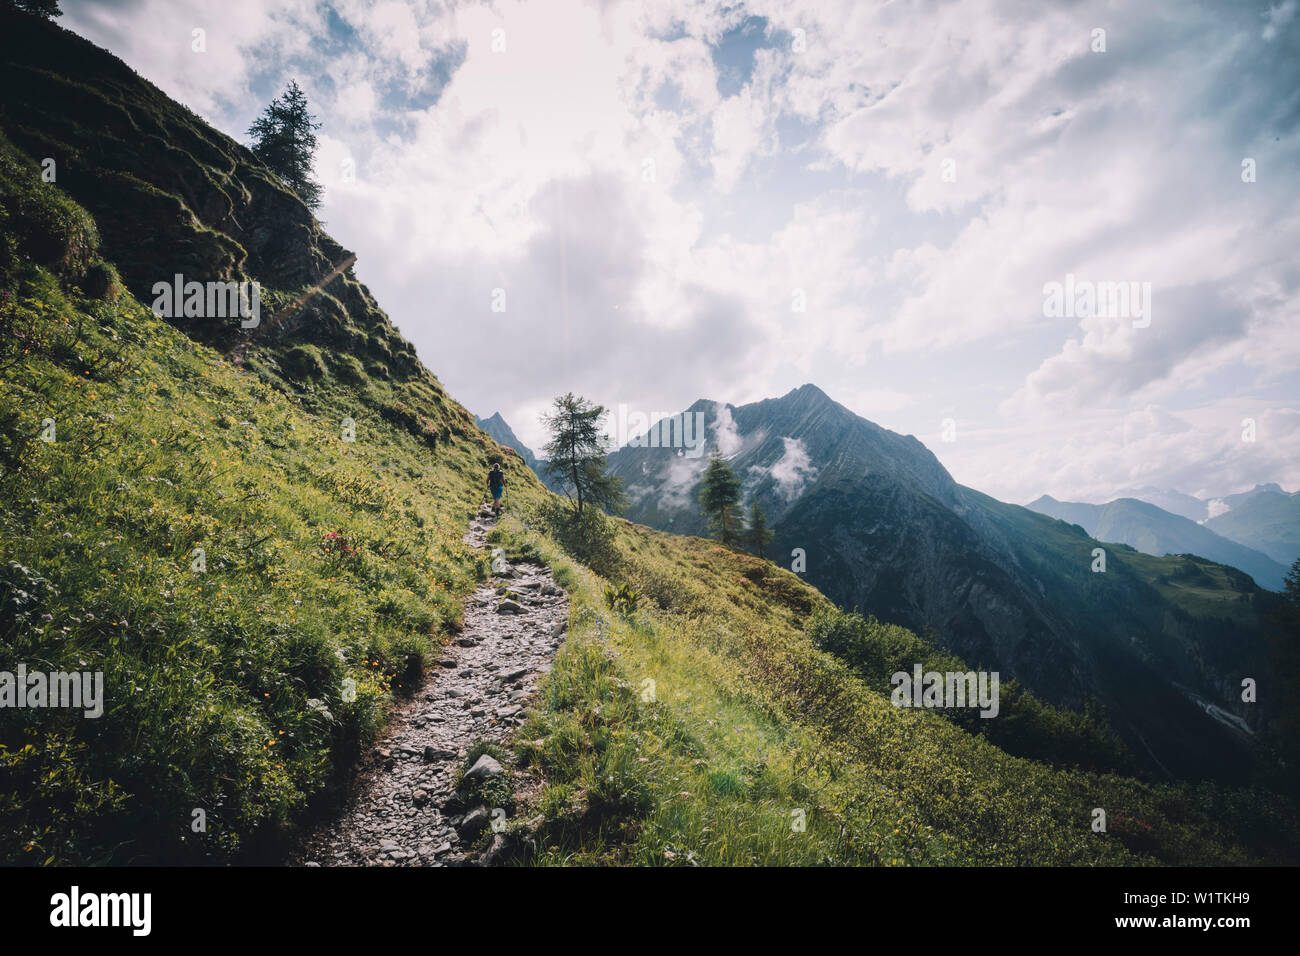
x=1284, y=674
x=576, y=453
x=41, y=8
x=720, y=501
x=759, y=534
x=284, y=139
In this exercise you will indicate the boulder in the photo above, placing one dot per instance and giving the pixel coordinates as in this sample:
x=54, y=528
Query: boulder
x=484, y=767
x=475, y=822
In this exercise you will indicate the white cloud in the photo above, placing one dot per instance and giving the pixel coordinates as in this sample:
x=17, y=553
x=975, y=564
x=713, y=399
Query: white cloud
x=237, y=35
x=792, y=470
x=682, y=475
x=725, y=434
x=822, y=176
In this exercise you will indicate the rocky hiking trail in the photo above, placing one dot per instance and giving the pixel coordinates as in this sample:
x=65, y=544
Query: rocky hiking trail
x=402, y=809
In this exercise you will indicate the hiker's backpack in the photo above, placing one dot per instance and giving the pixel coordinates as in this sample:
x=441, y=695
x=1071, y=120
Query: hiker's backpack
x=496, y=478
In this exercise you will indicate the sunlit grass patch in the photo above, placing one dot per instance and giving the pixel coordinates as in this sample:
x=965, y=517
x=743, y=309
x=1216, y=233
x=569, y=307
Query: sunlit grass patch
x=254, y=587
x=705, y=729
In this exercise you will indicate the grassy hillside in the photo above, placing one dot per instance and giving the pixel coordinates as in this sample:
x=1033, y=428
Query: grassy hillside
x=749, y=727
x=325, y=560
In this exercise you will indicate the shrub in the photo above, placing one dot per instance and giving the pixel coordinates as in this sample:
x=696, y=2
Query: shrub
x=336, y=544
x=1027, y=728
x=622, y=599
x=589, y=536
x=492, y=792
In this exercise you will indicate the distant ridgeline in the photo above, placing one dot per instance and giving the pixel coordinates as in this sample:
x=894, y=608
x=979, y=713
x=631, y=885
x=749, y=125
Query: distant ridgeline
x=1152, y=530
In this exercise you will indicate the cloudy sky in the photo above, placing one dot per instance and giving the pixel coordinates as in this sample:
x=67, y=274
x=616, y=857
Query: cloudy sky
x=676, y=200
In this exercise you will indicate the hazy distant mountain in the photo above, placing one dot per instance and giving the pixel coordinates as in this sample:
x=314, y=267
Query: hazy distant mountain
x=884, y=528
x=1237, y=500
x=1153, y=530
x=496, y=427
x=1266, y=519
x=1175, y=502
x=1190, y=506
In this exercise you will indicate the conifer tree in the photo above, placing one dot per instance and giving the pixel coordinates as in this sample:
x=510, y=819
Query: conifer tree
x=759, y=533
x=49, y=9
x=720, y=501
x=284, y=139
x=575, y=455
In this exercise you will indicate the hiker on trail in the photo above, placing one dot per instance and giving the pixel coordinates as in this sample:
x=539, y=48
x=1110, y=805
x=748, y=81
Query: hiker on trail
x=496, y=485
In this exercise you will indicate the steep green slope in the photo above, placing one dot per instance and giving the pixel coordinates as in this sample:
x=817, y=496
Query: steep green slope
x=705, y=727
x=238, y=678
x=172, y=195
x=251, y=560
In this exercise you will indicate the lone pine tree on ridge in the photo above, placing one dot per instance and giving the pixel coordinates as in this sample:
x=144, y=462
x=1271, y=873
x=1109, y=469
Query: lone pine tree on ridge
x=284, y=139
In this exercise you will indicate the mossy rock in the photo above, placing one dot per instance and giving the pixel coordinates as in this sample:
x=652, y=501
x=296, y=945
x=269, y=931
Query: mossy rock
x=349, y=369
x=303, y=363
x=101, y=281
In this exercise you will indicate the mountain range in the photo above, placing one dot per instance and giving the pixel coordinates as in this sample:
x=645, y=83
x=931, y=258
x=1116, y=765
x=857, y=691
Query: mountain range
x=1266, y=519
x=875, y=522
x=1153, y=530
